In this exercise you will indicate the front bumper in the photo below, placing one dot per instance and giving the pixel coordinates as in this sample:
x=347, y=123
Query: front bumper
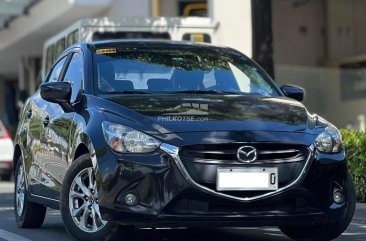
x=167, y=195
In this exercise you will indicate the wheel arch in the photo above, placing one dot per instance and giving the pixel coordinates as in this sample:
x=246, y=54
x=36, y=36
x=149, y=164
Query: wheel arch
x=83, y=145
x=17, y=154
x=80, y=150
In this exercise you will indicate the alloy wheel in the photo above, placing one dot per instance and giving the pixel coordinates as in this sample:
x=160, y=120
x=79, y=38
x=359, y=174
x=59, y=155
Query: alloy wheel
x=84, y=203
x=20, y=191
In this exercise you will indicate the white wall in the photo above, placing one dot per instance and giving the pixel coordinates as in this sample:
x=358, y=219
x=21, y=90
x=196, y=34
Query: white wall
x=235, y=17
x=129, y=8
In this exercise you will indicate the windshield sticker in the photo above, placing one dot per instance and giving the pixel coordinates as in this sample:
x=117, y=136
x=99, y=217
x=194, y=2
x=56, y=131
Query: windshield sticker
x=107, y=51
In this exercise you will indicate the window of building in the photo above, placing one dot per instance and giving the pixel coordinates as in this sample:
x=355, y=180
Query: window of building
x=60, y=47
x=73, y=38
x=49, y=57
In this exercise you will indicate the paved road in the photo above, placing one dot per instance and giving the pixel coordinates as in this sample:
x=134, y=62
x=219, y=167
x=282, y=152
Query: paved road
x=53, y=228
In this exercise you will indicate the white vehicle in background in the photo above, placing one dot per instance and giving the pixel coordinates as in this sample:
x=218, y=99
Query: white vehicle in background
x=195, y=29
x=6, y=153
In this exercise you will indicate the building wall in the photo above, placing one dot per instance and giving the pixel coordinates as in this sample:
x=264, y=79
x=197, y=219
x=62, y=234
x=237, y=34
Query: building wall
x=2, y=96
x=311, y=39
x=298, y=32
x=128, y=8
x=359, y=19
x=340, y=30
x=169, y=8
x=318, y=32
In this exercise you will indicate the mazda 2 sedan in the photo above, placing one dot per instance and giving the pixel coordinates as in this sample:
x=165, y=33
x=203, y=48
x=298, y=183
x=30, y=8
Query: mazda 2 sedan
x=126, y=134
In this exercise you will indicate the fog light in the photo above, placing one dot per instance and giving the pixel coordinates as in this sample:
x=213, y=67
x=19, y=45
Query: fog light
x=131, y=199
x=338, y=196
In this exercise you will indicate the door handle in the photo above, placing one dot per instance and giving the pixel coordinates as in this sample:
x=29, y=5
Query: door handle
x=46, y=121
x=28, y=113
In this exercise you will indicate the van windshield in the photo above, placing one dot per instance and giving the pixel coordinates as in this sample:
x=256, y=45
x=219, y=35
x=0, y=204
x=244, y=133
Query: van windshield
x=177, y=70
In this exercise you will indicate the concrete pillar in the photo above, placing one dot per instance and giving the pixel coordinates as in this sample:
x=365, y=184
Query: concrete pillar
x=21, y=79
x=235, y=18
x=28, y=70
x=155, y=8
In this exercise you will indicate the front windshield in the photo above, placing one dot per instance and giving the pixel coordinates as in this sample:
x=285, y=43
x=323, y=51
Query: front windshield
x=175, y=70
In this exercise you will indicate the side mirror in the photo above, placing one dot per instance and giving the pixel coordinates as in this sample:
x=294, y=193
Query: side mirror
x=56, y=92
x=293, y=92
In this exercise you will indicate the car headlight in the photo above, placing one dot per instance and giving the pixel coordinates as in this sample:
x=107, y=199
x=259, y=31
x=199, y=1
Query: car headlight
x=329, y=140
x=127, y=140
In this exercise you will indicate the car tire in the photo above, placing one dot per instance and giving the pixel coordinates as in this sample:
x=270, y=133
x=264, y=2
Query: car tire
x=85, y=223
x=328, y=231
x=27, y=214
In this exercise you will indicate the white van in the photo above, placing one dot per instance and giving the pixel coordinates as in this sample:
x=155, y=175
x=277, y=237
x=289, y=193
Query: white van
x=197, y=29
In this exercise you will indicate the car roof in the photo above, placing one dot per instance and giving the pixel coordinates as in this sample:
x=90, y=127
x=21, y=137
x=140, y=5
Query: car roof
x=147, y=43
x=150, y=42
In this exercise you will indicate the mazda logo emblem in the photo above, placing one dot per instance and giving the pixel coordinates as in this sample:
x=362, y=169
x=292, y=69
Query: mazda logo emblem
x=247, y=154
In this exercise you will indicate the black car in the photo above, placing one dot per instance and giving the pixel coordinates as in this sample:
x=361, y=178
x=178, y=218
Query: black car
x=128, y=134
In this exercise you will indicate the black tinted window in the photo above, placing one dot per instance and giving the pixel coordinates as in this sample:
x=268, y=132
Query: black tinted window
x=74, y=75
x=156, y=70
x=56, y=71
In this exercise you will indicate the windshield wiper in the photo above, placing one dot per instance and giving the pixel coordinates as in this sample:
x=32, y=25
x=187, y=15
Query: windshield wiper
x=125, y=92
x=210, y=92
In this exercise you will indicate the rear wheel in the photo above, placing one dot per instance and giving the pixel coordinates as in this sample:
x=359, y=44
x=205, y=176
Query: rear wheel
x=79, y=204
x=325, y=232
x=27, y=214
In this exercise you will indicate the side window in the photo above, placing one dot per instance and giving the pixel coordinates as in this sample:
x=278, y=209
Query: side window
x=74, y=75
x=55, y=74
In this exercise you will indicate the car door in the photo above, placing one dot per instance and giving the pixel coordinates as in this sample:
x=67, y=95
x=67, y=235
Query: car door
x=58, y=124
x=36, y=113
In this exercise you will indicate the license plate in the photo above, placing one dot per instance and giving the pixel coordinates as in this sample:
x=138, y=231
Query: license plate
x=247, y=179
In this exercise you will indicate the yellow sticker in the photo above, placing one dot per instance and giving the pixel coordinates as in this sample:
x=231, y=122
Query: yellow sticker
x=106, y=51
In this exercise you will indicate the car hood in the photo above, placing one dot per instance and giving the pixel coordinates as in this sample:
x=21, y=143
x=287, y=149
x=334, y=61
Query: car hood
x=192, y=113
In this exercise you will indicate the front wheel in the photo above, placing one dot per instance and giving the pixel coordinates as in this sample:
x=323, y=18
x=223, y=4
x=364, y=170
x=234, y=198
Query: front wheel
x=328, y=231
x=79, y=204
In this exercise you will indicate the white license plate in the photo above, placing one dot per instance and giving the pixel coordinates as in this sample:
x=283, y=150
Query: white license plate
x=250, y=179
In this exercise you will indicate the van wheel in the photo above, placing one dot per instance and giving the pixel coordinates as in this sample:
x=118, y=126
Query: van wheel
x=328, y=231
x=27, y=214
x=79, y=204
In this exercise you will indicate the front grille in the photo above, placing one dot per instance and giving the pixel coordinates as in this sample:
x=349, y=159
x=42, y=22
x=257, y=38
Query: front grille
x=202, y=161
x=268, y=153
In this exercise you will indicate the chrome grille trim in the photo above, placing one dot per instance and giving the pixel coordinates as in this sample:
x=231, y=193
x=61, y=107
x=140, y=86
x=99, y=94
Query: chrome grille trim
x=173, y=151
x=278, y=151
x=282, y=153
